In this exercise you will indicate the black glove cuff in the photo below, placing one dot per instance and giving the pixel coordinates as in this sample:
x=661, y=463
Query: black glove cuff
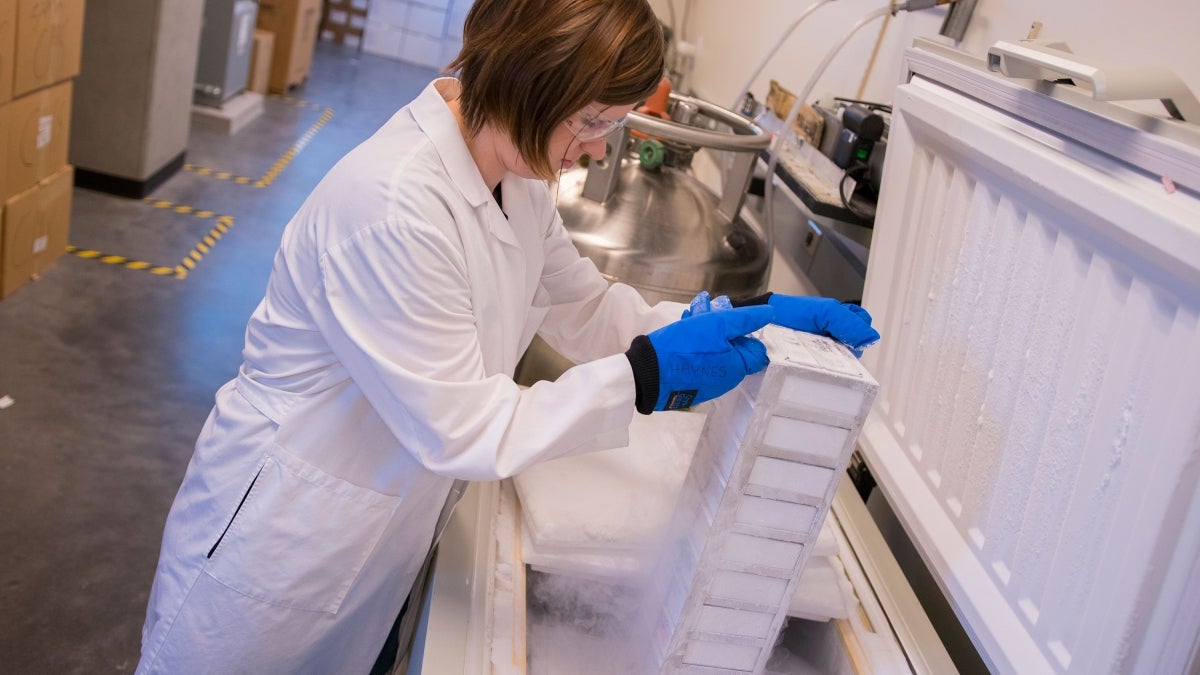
x=644, y=362
x=756, y=300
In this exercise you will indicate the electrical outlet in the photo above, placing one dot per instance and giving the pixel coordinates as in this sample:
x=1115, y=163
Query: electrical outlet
x=812, y=238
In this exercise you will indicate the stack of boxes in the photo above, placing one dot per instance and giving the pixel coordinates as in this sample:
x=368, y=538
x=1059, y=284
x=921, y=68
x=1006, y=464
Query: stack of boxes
x=294, y=25
x=343, y=21
x=424, y=32
x=40, y=44
x=759, y=488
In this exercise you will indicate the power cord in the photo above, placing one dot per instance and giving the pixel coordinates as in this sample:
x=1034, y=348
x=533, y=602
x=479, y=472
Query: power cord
x=847, y=199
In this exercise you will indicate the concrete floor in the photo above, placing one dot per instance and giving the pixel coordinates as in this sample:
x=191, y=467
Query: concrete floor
x=113, y=370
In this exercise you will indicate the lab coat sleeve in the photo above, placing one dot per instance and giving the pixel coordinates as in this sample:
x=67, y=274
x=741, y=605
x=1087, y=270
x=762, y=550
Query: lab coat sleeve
x=394, y=305
x=590, y=318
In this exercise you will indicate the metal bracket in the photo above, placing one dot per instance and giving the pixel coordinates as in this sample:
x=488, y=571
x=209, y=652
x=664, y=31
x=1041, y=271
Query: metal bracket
x=604, y=175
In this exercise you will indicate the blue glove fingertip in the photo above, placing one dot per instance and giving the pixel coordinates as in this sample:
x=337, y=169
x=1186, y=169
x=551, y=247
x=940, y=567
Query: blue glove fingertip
x=701, y=304
x=753, y=353
x=859, y=311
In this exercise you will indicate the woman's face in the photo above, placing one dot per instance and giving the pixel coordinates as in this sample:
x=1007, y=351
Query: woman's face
x=584, y=133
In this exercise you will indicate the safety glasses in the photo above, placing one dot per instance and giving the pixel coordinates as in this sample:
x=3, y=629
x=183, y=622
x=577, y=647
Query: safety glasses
x=588, y=125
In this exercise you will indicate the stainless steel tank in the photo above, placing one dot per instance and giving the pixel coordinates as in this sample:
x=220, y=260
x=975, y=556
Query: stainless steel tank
x=663, y=235
x=656, y=227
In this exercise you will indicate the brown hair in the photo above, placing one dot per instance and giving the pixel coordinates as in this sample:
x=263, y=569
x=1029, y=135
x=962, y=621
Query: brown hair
x=528, y=65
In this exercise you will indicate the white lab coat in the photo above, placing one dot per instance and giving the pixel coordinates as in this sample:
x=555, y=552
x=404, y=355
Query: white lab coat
x=378, y=369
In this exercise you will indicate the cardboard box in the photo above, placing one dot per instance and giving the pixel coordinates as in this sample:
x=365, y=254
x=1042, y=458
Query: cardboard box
x=8, y=47
x=49, y=43
x=809, y=124
x=260, y=61
x=343, y=21
x=34, y=133
x=295, y=24
x=33, y=230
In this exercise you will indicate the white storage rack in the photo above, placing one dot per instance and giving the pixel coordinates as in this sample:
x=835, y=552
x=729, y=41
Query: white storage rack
x=760, y=485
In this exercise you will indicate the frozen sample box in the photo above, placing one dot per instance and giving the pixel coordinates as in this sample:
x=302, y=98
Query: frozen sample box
x=759, y=487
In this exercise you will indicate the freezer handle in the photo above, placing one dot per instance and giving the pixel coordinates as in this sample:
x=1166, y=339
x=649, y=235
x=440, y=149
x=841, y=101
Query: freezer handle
x=1044, y=60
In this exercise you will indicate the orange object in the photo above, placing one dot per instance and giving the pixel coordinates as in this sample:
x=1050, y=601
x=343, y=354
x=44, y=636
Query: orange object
x=656, y=105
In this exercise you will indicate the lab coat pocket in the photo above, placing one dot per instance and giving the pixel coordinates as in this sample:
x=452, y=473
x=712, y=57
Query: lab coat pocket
x=538, y=310
x=300, y=537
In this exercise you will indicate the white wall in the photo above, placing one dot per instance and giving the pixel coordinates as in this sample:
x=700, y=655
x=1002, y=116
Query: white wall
x=733, y=35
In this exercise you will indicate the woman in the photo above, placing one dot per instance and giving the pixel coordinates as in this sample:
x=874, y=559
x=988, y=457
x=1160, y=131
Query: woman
x=378, y=367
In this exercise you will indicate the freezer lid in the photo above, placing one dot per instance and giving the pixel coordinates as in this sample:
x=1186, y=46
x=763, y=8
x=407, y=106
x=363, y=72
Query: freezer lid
x=1035, y=274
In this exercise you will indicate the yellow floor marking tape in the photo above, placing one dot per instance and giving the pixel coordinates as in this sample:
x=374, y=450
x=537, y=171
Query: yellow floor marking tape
x=127, y=263
x=281, y=163
x=297, y=147
x=198, y=251
x=189, y=261
x=220, y=175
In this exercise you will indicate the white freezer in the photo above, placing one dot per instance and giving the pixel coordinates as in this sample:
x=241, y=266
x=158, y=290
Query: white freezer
x=1036, y=276
x=1035, y=273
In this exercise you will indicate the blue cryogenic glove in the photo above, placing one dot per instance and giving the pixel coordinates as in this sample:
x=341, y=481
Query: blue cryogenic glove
x=697, y=358
x=704, y=303
x=845, y=322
